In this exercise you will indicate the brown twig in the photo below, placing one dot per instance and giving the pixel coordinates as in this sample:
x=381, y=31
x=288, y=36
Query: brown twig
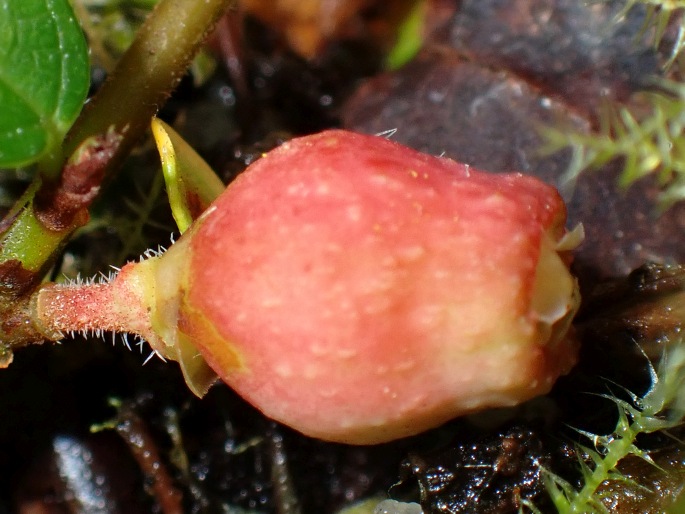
x=144, y=449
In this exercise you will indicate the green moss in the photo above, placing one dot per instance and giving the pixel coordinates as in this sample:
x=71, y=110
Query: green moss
x=660, y=15
x=651, y=143
x=660, y=409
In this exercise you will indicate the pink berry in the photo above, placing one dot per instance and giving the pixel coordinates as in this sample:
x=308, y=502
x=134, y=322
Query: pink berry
x=360, y=291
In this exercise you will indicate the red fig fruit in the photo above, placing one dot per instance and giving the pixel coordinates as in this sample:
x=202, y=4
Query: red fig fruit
x=355, y=290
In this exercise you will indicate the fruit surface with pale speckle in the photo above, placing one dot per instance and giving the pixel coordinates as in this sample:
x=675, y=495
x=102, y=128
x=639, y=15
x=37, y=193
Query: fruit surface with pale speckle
x=353, y=289
x=360, y=291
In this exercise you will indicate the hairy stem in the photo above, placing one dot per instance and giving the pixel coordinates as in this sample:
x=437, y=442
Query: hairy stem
x=111, y=124
x=118, y=305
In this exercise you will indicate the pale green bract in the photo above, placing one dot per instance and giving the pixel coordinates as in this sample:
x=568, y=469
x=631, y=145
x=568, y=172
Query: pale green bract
x=44, y=78
x=191, y=184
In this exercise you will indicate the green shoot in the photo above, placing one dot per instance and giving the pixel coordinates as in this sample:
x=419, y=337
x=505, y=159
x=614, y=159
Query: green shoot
x=409, y=36
x=661, y=408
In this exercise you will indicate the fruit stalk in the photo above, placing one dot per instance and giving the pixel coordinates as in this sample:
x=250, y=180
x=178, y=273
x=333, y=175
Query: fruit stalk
x=119, y=304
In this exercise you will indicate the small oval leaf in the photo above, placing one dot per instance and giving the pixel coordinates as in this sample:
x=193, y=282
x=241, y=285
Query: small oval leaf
x=44, y=77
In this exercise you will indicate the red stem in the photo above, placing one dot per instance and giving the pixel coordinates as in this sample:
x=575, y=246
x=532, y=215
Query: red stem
x=120, y=305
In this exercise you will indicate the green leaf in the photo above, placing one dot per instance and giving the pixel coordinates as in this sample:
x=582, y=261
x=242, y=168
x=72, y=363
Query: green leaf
x=44, y=77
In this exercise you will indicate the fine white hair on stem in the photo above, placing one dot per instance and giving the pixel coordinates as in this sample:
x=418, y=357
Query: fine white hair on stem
x=107, y=278
x=99, y=278
x=151, y=252
x=152, y=354
x=124, y=337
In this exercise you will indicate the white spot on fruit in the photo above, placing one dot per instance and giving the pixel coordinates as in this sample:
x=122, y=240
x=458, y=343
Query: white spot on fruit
x=323, y=189
x=318, y=350
x=347, y=353
x=405, y=365
x=311, y=372
x=412, y=253
x=273, y=301
x=283, y=370
x=354, y=213
x=328, y=393
x=334, y=248
x=295, y=190
x=389, y=261
x=441, y=274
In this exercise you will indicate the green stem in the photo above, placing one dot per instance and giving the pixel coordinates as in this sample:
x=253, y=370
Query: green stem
x=619, y=448
x=138, y=87
x=102, y=137
x=31, y=243
x=147, y=73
